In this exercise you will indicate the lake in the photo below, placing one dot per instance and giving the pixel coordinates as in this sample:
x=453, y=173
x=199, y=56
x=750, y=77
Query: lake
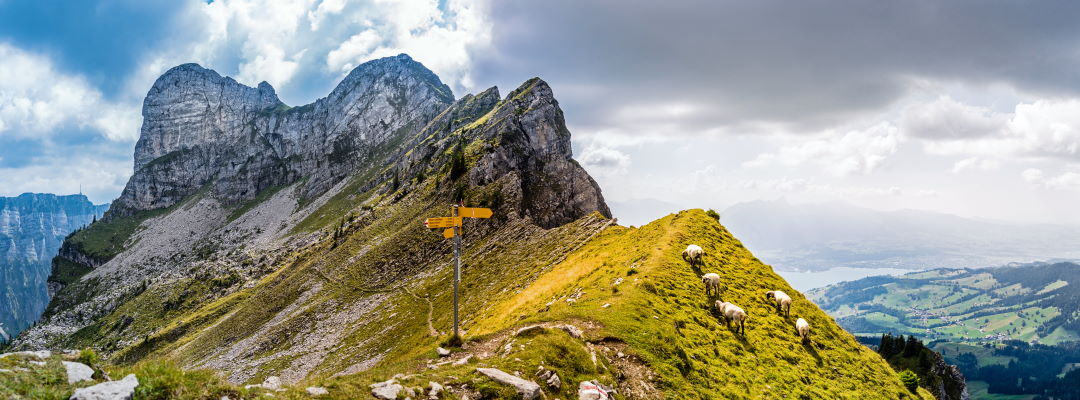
x=806, y=280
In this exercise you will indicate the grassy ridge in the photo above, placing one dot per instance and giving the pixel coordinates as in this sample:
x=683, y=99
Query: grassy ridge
x=662, y=313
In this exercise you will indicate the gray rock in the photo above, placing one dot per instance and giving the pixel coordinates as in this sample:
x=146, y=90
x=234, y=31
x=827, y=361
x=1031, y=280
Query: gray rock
x=317, y=391
x=199, y=127
x=40, y=354
x=386, y=390
x=442, y=352
x=78, y=372
x=592, y=390
x=122, y=389
x=434, y=389
x=463, y=360
x=271, y=383
x=528, y=389
x=572, y=330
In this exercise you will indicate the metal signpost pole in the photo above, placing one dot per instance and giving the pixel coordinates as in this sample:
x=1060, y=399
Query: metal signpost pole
x=457, y=269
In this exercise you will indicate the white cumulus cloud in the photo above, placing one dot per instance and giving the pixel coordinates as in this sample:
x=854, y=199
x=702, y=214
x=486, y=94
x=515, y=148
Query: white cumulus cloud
x=975, y=163
x=605, y=161
x=1066, y=180
x=840, y=154
x=36, y=100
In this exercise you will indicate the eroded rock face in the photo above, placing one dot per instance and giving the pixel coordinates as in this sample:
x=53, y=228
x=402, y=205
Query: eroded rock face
x=201, y=128
x=534, y=147
x=32, y=228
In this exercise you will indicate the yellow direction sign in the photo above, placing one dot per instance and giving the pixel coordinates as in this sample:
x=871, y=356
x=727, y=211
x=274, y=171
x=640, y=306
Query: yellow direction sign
x=454, y=232
x=442, y=222
x=474, y=212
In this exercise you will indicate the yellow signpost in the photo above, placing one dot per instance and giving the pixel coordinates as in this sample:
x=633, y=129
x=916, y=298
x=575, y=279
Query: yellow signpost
x=442, y=222
x=453, y=225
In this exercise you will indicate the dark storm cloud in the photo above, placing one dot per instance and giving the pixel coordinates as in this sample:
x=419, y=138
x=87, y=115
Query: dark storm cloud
x=807, y=64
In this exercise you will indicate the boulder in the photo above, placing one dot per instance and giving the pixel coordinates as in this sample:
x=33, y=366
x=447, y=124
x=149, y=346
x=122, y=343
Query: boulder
x=78, y=372
x=122, y=389
x=592, y=390
x=317, y=391
x=572, y=330
x=528, y=389
x=442, y=352
x=272, y=383
x=436, y=388
x=386, y=390
x=41, y=354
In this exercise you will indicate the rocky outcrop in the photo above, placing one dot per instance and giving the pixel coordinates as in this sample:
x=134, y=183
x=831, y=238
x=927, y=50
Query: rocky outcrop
x=200, y=129
x=123, y=389
x=534, y=145
x=527, y=389
x=952, y=385
x=32, y=228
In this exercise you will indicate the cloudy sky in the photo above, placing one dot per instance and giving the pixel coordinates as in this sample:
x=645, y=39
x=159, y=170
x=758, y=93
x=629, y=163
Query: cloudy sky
x=963, y=107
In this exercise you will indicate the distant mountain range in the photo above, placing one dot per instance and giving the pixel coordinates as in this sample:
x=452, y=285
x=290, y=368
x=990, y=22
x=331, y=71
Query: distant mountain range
x=32, y=227
x=823, y=236
x=1033, y=303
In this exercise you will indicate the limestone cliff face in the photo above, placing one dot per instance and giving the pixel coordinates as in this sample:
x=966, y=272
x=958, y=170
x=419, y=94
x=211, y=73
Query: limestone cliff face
x=200, y=128
x=534, y=146
x=32, y=226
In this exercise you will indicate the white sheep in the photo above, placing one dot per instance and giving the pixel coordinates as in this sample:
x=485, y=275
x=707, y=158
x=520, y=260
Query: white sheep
x=712, y=283
x=804, y=329
x=693, y=254
x=783, y=301
x=732, y=312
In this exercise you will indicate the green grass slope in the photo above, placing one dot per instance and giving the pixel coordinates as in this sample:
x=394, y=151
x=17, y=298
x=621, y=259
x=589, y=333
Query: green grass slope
x=638, y=289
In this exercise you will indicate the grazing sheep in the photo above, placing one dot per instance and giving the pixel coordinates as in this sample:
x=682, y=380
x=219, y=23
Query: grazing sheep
x=783, y=301
x=804, y=329
x=712, y=283
x=693, y=254
x=733, y=312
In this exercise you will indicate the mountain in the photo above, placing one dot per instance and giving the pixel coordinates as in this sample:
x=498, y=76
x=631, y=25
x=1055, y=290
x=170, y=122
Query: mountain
x=1030, y=302
x=264, y=242
x=32, y=227
x=824, y=236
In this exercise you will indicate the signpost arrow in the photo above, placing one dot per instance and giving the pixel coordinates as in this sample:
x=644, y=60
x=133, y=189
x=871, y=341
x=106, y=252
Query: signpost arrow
x=453, y=231
x=473, y=212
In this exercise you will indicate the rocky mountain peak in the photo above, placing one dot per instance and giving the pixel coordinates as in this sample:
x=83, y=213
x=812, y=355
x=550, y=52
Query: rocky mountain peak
x=200, y=128
x=542, y=118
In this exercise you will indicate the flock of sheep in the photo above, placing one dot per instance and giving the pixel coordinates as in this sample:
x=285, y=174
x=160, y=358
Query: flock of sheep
x=734, y=313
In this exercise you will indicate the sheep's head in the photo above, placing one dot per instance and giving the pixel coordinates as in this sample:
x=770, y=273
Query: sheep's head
x=770, y=294
x=720, y=305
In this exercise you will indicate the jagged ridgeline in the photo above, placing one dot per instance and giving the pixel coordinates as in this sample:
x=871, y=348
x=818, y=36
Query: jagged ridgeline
x=260, y=240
